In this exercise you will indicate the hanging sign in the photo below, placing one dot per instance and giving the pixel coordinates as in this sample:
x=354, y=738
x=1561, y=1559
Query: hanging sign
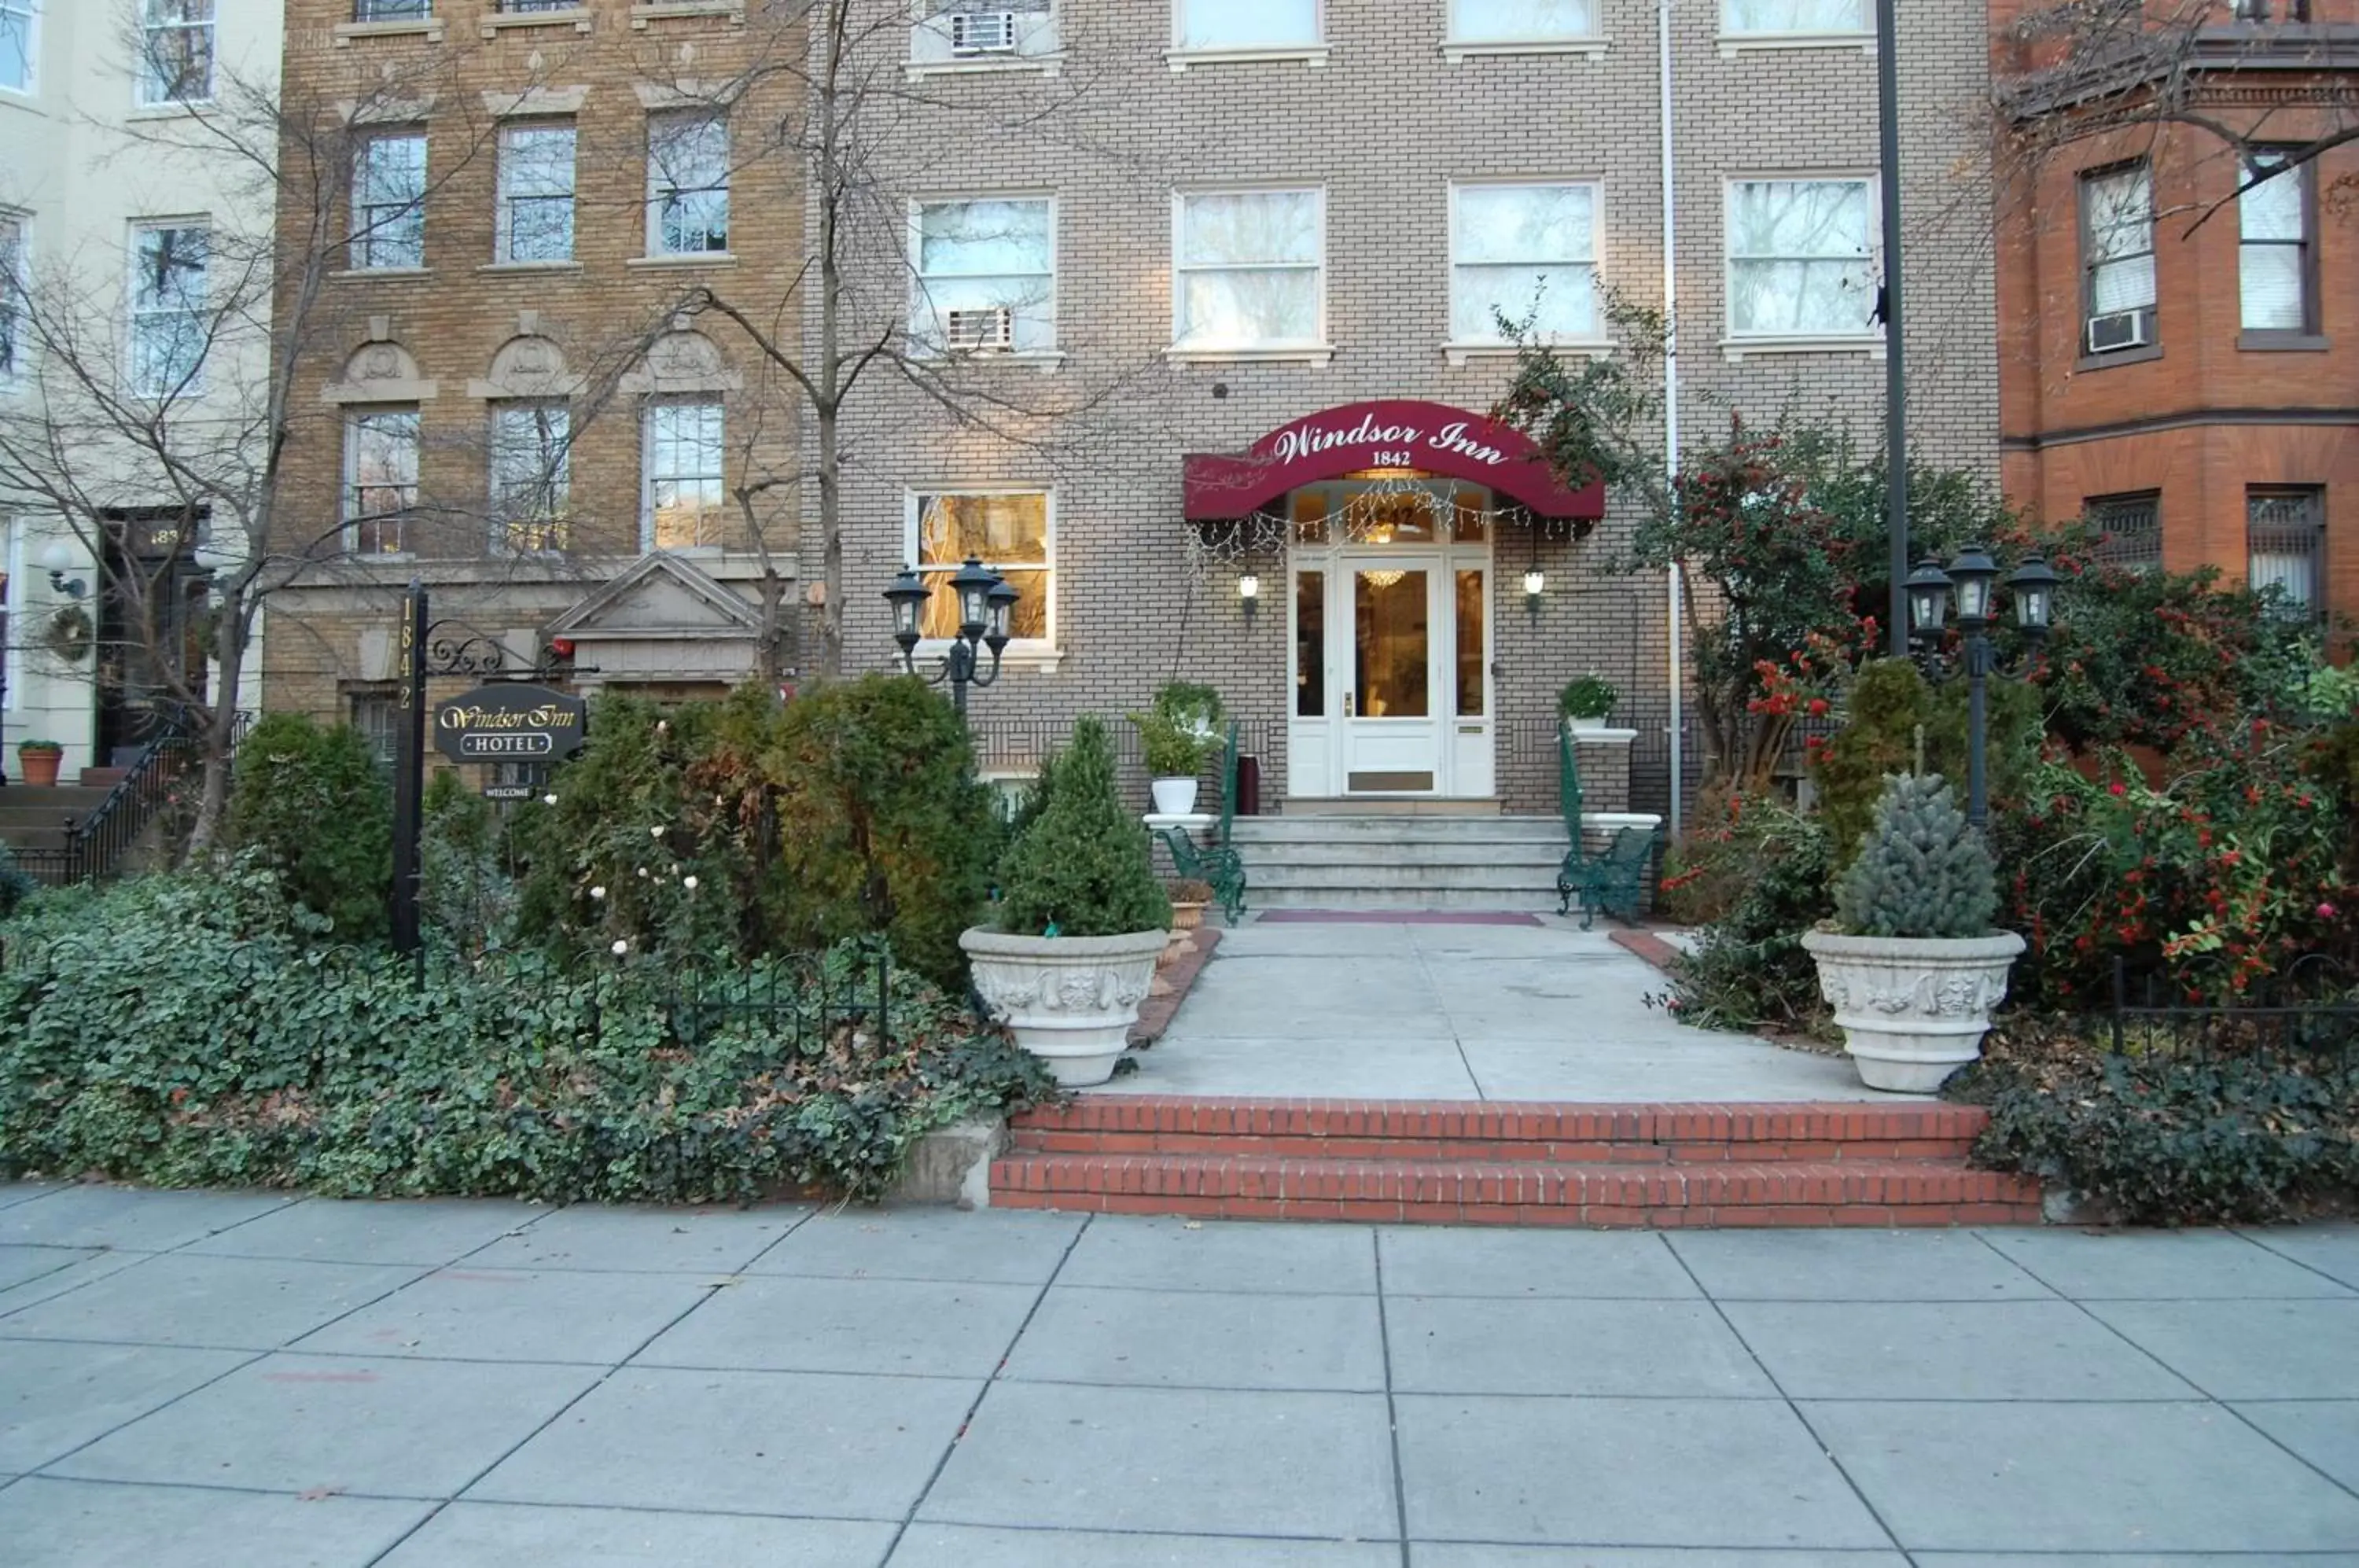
x=510, y=724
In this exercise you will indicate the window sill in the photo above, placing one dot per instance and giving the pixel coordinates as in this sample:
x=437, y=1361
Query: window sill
x=1315, y=354
x=1735, y=44
x=1034, y=359
x=1739, y=349
x=1459, y=354
x=2271, y=341
x=531, y=266
x=1312, y=55
x=176, y=111
x=428, y=28
x=732, y=9
x=997, y=65
x=1022, y=658
x=685, y=259
x=2145, y=355
x=386, y=274
x=693, y=551
x=1456, y=51
x=577, y=17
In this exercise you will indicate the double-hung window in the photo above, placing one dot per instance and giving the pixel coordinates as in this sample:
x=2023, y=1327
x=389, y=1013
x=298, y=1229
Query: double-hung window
x=1521, y=21
x=14, y=278
x=1795, y=19
x=1251, y=271
x=1245, y=24
x=1800, y=260
x=392, y=10
x=684, y=464
x=175, y=52
x=380, y=480
x=986, y=276
x=981, y=32
x=2117, y=259
x=389, y=201
x=170, y=325
x=535, y=216
x=2273, y=255
x=1527, y=252
x=1007, y=530
x=2284, y=544
x=2129, y=529
x=531, y=475
x=688, y=184
x=20, y=49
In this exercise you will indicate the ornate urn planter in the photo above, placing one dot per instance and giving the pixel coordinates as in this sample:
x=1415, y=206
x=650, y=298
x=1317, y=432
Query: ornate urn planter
x=1070, y=1000
x=1913, y=1010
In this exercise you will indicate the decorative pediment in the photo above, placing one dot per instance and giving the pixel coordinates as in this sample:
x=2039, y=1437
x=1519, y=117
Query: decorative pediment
x=682, y=362
x=526, y=367
x=660, y=598
x=379, y=372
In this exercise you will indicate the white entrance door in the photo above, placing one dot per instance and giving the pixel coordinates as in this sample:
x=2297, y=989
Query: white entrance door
x=1392, y=679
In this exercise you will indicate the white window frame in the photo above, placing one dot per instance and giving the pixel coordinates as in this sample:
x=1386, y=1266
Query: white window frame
x=134, y=314
x=1315, y=351
x=14, y=284
x=1181, y=55
x=30, y=10
x=924, y=347
x=648, y=476
x=1736, y=345
x=366, y=236
x=1034, y=653
x=2304, y=244
x=1861, y=37
x=1040, y=47
x=1459, y=350
x=657, y=189
x=357, y=417
x=1458, y=45
x=503, y=221
x=554, y=486
x=150, y=90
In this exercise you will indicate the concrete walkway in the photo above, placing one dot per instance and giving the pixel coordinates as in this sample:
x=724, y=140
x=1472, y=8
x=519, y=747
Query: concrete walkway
x=1409, y=1011
x=189, y=1379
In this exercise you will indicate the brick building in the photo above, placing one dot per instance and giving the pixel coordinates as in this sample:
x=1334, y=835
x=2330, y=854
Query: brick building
x=2179, y=356
x=1173, y=297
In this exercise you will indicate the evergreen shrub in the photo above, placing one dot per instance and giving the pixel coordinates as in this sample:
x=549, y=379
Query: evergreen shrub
x=313, y=803
x=1082, y=868
x=1923, y=872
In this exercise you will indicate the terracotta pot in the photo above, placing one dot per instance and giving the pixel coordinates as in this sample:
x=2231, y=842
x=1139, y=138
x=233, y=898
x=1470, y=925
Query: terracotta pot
x=1187, y=916
x=39, y=769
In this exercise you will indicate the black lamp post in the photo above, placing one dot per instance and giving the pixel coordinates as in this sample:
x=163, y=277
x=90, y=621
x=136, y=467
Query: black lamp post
x=1970, y=579
x=985, y=601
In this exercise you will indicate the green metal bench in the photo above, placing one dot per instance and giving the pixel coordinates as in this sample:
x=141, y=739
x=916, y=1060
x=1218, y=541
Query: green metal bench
x=1611, y=882
x=1215, y=863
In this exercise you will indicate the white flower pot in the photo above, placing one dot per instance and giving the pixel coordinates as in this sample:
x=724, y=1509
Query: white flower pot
x=1174, y=797
x=1070, y=1000
x=1913, y=1011
x=1588, y=724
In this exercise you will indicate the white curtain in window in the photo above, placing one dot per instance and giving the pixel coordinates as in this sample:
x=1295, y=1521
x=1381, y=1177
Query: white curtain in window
x=1794, y=17
x=1247, y=24
x=2270, y=264
x=982, y=255
x=1521, y=20
x=1798, y=257
x=2283, y=533
x=1524, y=250
x=2121, y=241
x=1249, y=269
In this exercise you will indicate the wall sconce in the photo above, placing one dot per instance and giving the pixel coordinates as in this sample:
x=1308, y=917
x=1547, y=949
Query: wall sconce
x=1535, y=585
x=1249, y=594
x=59, y=560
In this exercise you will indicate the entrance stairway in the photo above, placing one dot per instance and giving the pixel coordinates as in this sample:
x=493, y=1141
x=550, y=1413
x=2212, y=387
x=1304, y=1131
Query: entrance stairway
x=34, y=822
x=1400, y=860
x=1654, y=1166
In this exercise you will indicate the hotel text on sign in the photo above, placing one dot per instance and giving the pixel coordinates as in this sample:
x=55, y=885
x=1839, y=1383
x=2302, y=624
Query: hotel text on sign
x=504, y=723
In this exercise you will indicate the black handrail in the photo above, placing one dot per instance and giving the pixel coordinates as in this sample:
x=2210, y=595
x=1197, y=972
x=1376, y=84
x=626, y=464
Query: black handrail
x=96, y=843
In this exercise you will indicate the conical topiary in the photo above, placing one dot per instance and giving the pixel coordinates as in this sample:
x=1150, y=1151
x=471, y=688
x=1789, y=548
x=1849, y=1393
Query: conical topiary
x=1082, y=869
x=1922, y=872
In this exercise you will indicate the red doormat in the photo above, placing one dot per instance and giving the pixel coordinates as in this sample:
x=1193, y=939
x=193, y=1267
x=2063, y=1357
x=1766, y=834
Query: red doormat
x=1393, y=917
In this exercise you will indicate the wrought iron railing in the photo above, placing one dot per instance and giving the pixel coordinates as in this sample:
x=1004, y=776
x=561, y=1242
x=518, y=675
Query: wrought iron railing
x=95, y=844
x=2309, y=1009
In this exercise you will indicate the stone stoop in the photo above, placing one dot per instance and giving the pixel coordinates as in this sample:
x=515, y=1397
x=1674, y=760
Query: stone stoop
x=1334, y=860
x=1646, y=1166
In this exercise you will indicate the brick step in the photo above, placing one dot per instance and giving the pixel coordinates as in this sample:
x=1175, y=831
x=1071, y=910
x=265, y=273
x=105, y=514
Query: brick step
x=1243, y=1186
x=1532, y=1151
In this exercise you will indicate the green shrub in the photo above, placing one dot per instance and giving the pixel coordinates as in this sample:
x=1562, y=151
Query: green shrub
x=1887, y=705
x=1922, y=872
x=16, y=883
x=1590, y=696
x=1082, y=869
x=1180, y=730
x=1766, y=866
x=466, y=894
x=313, y=803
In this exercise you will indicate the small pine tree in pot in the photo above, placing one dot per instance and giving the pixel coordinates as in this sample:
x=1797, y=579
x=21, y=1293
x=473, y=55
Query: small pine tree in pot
x=1081, y=919
x=1912, y=967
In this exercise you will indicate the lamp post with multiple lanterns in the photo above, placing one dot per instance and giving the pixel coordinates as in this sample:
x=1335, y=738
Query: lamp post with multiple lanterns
x=986, y=601
x=1971, y=579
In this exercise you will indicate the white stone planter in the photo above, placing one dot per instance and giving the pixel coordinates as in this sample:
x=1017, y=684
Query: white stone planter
x=1070, y=1000
x=1913, y=1011
x=1594, y=723
x=1173, y=796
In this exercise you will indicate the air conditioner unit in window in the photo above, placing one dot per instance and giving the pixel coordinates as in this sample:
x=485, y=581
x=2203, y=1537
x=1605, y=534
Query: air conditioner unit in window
x=2117, y=329
x=981, y=331
x=982, y=32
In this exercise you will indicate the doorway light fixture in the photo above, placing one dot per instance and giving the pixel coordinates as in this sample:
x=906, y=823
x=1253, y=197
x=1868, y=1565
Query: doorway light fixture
x=1535, y=585
x=1249, y=594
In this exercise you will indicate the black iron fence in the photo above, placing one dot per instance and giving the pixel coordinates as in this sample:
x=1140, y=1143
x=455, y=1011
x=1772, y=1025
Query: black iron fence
x=2310, y=1009
x=96, y=845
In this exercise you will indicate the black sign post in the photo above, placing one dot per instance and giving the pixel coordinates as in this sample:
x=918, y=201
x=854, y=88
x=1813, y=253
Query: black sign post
x=409, y=776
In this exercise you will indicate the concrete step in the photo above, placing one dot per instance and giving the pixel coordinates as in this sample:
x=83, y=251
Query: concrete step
x=1404, y=900
x=1362, y=806
x=103, y=778
x=64, y=799
x=1469, y=878
x=1269, y=857
x=1252, y=831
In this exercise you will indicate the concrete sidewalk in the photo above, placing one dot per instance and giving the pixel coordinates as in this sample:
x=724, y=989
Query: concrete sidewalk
x=191, y=1378
x=1407, y=1011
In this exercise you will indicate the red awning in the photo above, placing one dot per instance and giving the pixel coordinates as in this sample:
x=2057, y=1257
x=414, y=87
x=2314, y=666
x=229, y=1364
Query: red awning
x=1433, y=438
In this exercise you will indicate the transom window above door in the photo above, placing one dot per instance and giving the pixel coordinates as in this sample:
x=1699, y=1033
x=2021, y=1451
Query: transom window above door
x=1527, y=252
x=1211, y=25
x=1250, y=272
x=1521, y=21
x=986, y=276
x=1008, y=530
x=1801, y=259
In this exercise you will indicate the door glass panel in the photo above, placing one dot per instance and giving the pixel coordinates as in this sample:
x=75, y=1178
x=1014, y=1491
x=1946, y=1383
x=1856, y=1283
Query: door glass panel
x=1471, y=661
x=1309, y=645
x=1473, y=525
x=1390, y=605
